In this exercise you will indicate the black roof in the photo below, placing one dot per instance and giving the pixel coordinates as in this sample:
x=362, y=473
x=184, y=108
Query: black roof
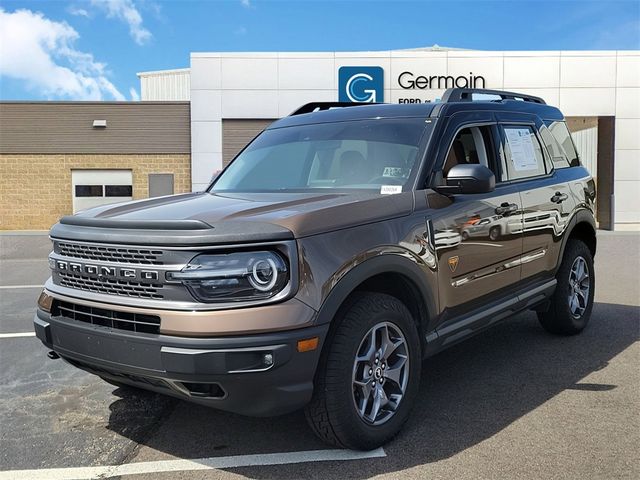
x=455, y=100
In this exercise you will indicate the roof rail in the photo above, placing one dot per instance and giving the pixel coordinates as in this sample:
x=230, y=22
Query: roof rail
x=466, y=95
x=319, y=106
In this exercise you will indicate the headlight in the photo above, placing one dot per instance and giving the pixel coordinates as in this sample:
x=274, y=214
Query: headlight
x=234, y=277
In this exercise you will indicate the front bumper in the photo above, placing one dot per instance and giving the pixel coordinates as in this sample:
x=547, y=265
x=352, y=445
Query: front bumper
x=229, y=373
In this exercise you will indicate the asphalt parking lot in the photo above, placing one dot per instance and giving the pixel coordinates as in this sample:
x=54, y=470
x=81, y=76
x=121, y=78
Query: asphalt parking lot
x=512, y=403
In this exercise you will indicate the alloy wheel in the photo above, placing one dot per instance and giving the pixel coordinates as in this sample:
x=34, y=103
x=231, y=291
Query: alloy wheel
x=380, y=373
x=579, y=286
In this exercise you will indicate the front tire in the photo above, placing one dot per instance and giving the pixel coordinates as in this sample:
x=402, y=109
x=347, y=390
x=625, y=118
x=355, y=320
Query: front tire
x=368, y=376
x=572, y=302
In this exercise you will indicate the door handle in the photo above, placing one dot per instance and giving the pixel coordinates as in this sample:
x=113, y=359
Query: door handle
x=506, y=208
x=559, y=197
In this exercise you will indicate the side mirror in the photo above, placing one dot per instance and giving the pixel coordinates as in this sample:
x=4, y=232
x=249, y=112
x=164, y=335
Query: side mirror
x=469, y=178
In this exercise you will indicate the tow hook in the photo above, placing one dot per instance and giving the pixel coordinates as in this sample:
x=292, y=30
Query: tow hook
x=53, y=355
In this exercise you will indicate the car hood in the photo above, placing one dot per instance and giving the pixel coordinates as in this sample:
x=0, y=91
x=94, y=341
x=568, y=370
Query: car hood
x=302, y=214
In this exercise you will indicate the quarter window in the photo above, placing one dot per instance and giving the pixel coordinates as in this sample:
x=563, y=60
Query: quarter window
x=524, y=157
x=561, y=133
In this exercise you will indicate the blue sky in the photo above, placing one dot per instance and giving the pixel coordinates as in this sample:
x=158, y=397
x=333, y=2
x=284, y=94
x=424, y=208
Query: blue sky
x=92, y=49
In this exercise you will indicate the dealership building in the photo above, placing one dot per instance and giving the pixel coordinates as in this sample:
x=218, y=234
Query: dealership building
x=192, y=121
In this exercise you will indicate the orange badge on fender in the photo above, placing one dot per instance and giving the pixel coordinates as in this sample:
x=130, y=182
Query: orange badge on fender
x=453, y=263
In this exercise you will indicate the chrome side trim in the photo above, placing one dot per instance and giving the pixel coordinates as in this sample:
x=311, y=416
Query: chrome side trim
x=505, y=266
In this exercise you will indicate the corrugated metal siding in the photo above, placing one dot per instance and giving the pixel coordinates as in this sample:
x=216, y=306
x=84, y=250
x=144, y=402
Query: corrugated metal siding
x=586, y=142
x=171, y=85
x=237, y=133
x=67, y=127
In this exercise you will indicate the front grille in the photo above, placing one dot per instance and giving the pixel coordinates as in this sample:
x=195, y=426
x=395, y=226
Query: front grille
x=111, y=286
x=141, y=256
x=133, y=322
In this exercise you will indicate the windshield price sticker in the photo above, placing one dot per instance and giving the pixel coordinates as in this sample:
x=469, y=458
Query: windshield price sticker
x=395, y=172
x=390, y=189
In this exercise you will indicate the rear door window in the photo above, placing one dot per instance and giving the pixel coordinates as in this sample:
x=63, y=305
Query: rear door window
x=523, y=152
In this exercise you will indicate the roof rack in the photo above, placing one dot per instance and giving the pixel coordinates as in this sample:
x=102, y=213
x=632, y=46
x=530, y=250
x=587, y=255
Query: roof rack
x=466, y=95
x=319, y=106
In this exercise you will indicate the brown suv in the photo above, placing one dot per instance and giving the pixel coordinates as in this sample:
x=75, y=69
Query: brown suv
x=339, y=249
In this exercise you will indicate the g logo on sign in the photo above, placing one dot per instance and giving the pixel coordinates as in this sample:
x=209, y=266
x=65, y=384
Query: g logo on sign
x=361, y=84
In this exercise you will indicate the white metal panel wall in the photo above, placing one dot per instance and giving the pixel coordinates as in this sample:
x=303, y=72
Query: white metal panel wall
x=170, y=85
x=587, y=145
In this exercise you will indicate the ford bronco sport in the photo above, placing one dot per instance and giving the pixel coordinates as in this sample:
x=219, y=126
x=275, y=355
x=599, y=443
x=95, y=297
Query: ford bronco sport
x=341, y=247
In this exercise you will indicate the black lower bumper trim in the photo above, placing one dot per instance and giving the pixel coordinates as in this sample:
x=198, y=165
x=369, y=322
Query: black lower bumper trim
x=255, y=375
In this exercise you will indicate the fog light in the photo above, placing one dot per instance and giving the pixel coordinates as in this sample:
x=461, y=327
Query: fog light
x=267, y=359
x=45, y=301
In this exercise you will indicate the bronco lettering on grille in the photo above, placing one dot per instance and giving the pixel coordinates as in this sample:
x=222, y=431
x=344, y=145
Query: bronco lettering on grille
x=107, y=272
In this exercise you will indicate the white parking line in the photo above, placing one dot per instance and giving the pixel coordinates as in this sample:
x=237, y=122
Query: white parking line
x=17, y=287
x=17, y=335
x=89, y=473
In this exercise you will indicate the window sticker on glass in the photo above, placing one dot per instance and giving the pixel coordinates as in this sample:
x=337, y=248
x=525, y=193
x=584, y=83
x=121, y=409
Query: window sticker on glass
x=395, y=172
x=390, y=189
x=523, y=155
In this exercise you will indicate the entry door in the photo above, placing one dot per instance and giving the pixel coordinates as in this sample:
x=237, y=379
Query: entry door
x=477, y=237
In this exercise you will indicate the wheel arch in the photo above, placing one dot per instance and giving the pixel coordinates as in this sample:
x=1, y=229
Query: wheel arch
x=583, y=227
x=392, y=274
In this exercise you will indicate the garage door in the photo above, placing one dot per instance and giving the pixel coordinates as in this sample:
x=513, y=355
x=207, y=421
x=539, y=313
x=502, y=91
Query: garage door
x=91, y=188
x=237, y=133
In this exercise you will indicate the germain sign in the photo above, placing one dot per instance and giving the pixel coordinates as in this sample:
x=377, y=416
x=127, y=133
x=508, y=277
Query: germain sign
x=407, y=81
x=365, y=84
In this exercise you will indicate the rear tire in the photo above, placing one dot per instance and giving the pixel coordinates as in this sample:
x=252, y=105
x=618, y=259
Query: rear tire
x=572, y=302
x=354, y=373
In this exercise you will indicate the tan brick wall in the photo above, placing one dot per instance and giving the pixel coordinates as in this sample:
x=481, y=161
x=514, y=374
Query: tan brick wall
x=35, y=190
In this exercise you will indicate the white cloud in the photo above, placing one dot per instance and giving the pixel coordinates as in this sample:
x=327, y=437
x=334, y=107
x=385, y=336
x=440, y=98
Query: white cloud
x=41, y=53
x=246, y=3
x=126, y=11
x=78, y=12
x=135, y=96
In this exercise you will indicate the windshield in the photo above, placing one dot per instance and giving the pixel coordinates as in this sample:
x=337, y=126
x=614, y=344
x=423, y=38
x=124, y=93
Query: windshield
x=379, y=154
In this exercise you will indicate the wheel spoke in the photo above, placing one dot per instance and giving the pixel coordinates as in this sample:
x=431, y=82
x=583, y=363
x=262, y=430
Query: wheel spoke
x=573, y=304
x=370, y=353
x=393, y=373
x=378, y=399
x=584, y=277
x=365, y=395
x=579, y=269
x=384, y=341
x=388, y=345
x=581, y=295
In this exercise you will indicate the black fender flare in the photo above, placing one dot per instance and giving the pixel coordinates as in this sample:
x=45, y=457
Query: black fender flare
x=385, y=263
x=581, y=216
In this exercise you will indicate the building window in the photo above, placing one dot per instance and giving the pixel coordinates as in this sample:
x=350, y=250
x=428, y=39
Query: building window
x=89, y=191
x=118, y=191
